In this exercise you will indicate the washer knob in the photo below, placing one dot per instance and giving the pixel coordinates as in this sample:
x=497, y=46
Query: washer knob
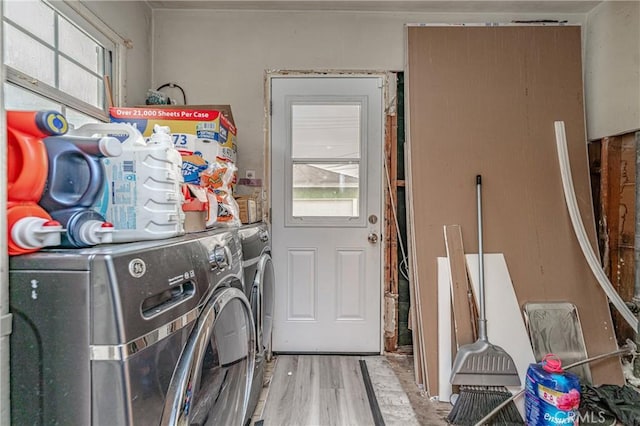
x=220, y=257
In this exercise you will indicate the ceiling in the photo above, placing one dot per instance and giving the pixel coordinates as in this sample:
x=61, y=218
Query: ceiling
x=513, y=6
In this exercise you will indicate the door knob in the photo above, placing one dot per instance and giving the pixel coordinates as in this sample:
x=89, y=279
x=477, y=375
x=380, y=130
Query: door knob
x=373, y=238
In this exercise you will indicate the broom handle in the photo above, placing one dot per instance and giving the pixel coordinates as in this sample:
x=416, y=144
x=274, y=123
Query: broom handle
x=482, y=317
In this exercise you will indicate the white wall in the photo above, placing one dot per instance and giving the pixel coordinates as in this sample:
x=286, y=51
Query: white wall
x=5, y=406
x=131, y=20
x=220, y=57
x=612, y=63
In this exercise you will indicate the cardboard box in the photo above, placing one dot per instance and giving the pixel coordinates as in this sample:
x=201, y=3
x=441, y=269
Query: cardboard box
x=224, y=109
x=195, y=207
x=247, y=210
x=202, y=135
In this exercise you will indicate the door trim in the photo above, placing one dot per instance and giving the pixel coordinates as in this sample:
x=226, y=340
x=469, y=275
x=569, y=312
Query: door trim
x=388, y=98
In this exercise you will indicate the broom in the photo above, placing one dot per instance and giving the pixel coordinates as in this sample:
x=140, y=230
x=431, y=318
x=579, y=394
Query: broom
x=482, y=369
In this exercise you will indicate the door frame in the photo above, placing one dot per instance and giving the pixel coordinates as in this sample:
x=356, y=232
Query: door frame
x=388, y=99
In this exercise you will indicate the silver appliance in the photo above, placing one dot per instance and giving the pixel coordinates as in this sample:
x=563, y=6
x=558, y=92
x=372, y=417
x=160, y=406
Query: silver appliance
x=259, y=280
x=144, y=333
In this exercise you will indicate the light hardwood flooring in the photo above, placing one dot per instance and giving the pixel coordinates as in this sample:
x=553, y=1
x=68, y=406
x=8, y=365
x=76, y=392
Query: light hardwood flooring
x=308, y=390
x=317, y=390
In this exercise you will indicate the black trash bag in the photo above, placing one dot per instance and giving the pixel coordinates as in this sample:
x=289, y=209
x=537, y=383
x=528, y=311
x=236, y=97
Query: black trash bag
x=605, y=401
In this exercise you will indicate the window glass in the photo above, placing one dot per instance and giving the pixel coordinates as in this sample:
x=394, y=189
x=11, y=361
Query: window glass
x=326, y=190
x=325, y=131
x=28, y=56
x=79, y=83
x=55, y=52
x=34, y=16
x=79, y=46
x=17, y=98
x=20, y=99
x=77, y=119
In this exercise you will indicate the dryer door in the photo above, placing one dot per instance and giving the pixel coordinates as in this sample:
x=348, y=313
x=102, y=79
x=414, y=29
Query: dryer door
x=211, y=383
x=262, y=303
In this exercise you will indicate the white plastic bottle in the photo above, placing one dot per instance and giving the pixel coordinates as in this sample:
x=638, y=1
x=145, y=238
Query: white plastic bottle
x=142, y=198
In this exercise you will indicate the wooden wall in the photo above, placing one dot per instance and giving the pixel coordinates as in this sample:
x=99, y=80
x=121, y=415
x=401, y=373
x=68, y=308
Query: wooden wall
x=613, y=170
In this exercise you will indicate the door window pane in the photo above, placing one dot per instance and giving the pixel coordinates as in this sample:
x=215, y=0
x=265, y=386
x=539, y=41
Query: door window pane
x=326, y=190
x=325, y=131
x=79, y=46
x=34, y=16
x=29, y=56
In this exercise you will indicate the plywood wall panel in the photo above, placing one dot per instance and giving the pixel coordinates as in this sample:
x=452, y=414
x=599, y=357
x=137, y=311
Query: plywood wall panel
x=483, y=100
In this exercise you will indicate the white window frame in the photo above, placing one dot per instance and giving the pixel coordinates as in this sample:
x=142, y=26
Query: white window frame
x=114, y=45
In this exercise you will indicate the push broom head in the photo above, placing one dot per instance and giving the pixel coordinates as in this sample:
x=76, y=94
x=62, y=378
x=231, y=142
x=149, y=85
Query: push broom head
x=483, y=364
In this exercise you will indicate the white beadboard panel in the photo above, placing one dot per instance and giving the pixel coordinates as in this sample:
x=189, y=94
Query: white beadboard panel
x=302, y=284
x=350, y=285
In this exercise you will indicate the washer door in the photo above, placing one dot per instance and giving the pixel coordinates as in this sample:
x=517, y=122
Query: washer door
x=212, y=381
x=262, y=303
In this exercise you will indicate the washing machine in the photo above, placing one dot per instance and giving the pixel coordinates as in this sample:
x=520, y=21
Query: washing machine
x=259, y=289
x=149, y=333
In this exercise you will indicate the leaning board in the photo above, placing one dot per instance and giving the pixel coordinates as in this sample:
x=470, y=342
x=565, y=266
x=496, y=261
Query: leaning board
x=444, y=330
x=505, y=324
x=483, y=100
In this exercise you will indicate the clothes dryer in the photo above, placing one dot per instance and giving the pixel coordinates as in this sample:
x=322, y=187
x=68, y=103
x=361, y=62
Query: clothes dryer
x=259, y=287
x=132, y=334
x=259, y=279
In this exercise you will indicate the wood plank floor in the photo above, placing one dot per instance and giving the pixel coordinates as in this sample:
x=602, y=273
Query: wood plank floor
x=317, y=390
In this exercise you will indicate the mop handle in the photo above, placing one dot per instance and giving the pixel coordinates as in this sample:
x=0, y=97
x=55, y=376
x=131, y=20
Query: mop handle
x=482, y=317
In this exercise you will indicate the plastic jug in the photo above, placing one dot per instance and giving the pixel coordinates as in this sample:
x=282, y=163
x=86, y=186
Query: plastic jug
x=552, y=395
x=85, y=227
x=142, y=195
x=27, y=166
x=38, y=123
x=26, y=153
x=76, y=176
x=30, y=228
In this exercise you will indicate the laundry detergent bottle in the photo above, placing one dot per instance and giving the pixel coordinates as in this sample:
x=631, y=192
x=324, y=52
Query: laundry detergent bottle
x=76, y=175
x=552, y=395
x=38, y=123
x=74, y=183
x=29, y=226
x=142, y=196
x=85, y=227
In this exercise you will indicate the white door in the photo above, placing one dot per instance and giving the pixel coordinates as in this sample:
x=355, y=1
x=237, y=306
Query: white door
x=326, y=146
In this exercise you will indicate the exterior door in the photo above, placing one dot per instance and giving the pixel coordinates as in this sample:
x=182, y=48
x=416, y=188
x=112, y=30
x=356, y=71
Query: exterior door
x=326, y=144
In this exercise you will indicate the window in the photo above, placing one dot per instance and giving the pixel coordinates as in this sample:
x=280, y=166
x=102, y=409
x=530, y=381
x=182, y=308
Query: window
x=325, y=159
x=55, y=59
